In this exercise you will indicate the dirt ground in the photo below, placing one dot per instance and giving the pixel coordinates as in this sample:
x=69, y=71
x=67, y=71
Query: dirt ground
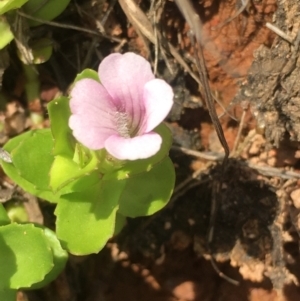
x=237, y=245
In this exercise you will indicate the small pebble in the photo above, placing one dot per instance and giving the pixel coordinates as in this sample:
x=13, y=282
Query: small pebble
x=295, y=196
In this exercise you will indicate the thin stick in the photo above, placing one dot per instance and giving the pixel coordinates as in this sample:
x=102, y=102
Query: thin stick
x=221, y=274
x=210, y=102
x=239, y=133
x=264, y=170
x=67, y=26
x=195, y=24
x=210, y=156
x=280, y=32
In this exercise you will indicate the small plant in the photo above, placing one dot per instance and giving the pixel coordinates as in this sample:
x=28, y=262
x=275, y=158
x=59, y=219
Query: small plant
x=43, y=10
x=31, y=256
x=30, y=51
x=105, y=157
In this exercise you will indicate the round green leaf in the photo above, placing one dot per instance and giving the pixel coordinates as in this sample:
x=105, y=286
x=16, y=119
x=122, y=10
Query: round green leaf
x=8, y=295
x=65, y=170
x=46, y=10
x=25, y=256
x=15, y=174
x=15, y=142
x=33, y=158
x=87, y=73
x=148, y=192
x=7, y=5
x=6, y=35
x=17, y=212
x=4, y=219
x=12, y=172
x=60, y=257
x=81, y=183
x=41, y=51
x=59, y=113
x=120, y=223
x=86, y=219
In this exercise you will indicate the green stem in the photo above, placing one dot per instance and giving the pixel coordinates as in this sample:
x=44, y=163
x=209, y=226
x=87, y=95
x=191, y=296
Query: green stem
x=32, y=89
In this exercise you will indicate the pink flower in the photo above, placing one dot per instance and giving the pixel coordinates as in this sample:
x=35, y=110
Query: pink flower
x=120, y=113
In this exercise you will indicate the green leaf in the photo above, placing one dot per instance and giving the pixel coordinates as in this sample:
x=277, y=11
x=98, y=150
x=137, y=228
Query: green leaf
x=120, y=223
x=81, y=183
x=148, y=192
x=4, y=219
x=60, y=257
x=87, y=73
x=25, y=256
x=86, y=219
x=59, y=113
x=33, y=158
x=47, y=195
x=41, y=50
x=65, y=170
x=14, y=146
x=8, y=295
x=7, y=5
x=6, y=34
x=17, y=212
x=46, y=10
x=131, y=168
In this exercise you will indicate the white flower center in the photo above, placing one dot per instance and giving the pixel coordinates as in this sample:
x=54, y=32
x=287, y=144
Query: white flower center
x=122, y=124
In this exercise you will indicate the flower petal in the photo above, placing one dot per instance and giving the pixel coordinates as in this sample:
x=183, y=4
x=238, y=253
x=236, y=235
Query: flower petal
x=140, y=147
x=89, y=134
x=124, y=77
x=92, y=119
x=158, y=99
